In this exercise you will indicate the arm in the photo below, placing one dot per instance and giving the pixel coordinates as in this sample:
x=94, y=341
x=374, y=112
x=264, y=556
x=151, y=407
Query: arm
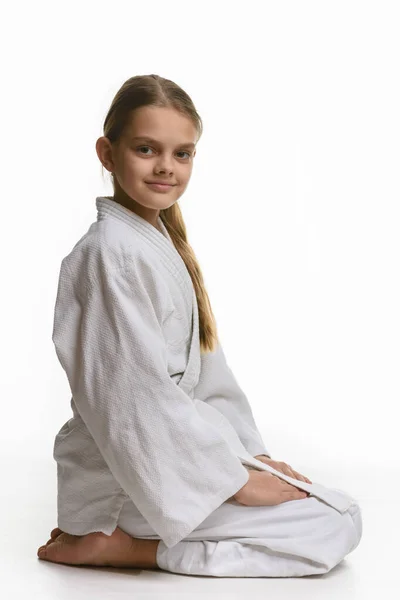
x=218, y=387
x=175, y=467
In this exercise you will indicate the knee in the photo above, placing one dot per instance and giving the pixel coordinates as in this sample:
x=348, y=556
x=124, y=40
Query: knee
x=348, y=527
x=338, y=534
x=355, y=514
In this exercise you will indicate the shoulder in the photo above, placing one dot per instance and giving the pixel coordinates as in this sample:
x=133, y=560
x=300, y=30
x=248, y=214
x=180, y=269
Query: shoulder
x=110, y=250
x=106, y=247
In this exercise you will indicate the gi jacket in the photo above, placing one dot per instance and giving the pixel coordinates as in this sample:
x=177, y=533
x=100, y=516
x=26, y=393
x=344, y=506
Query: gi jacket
x=153, y=419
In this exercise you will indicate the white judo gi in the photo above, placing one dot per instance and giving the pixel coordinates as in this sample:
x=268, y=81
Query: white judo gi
x=160, y=434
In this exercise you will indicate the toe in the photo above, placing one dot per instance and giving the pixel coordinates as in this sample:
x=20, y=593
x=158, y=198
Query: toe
x=54, y=535
x=42, y=552
x=55, y=532
x=50, y=552
x=62, y=550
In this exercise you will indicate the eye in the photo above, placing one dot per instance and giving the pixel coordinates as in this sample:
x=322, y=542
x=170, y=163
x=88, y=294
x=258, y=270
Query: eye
x=140, y=147
x=148, y=148
x=184, y=152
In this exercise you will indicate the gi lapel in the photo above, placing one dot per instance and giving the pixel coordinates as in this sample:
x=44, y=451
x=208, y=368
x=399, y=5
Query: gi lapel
x=190, y=377
x=172, y=260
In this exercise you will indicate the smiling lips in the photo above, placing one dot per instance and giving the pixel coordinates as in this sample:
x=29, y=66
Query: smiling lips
x=160, y=183
x=160, y=187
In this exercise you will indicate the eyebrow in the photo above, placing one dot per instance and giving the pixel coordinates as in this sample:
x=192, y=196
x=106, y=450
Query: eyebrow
x=153, y=141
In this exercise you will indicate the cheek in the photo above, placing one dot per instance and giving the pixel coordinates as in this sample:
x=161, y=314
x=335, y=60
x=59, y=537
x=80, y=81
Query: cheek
x=183, y=175
x=135, y=166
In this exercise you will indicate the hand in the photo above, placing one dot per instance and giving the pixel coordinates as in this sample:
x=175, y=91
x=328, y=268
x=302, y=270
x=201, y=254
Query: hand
x=266, y=489
x=282, y=468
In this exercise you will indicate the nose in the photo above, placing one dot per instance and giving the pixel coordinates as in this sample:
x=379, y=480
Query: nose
x=164, y=164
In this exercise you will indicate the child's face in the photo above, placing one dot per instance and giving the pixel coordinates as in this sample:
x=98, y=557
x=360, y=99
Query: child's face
x=169, y=158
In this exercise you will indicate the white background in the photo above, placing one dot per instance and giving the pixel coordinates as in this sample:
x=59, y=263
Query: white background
x=292, y=210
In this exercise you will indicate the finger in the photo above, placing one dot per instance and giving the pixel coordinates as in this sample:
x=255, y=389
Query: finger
x=283, y=482
x=292, y=474
x=302, y=477
x=287, y=470
x=290, y=487
x=286, y=484
x=299, y=476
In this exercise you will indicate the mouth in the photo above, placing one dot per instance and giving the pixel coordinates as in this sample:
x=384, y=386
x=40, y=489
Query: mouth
x=160, y=186
x=161, y=182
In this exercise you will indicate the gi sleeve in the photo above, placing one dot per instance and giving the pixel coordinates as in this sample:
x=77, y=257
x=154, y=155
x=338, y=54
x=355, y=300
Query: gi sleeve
x=218, y=387
x=175, y=467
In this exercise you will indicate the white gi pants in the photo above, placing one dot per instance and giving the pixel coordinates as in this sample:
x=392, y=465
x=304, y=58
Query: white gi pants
x=292, y=539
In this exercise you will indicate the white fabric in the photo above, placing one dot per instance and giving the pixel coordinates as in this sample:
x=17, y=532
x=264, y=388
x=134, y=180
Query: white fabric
x=156, y=425
x=292, y=539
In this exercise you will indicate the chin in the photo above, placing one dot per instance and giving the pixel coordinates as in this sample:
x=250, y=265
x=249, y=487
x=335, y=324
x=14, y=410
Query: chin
x=155, y=203
x=159, y=201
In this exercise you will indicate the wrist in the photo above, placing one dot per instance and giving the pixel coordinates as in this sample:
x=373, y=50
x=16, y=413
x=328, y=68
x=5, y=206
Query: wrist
x=239, y=493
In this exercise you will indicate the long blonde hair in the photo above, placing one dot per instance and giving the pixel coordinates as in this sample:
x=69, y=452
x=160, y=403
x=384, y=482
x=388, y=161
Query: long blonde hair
x=153, y=90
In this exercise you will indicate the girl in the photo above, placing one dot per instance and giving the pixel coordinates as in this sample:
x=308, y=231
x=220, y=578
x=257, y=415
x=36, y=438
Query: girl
x=162, y=464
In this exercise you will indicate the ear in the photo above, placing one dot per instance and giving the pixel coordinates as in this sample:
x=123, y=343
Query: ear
x=104, y=153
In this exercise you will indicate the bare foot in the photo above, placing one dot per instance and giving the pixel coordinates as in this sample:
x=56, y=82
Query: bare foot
x=98, y=549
